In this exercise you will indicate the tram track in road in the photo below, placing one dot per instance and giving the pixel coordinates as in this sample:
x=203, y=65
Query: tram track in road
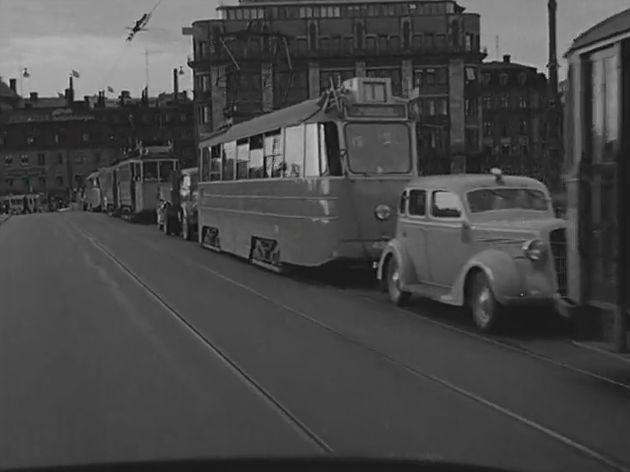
x=431, y=316
x=210, y=345
x=570, y=443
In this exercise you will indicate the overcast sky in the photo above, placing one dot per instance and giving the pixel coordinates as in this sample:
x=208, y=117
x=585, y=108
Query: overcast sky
x=53, y=37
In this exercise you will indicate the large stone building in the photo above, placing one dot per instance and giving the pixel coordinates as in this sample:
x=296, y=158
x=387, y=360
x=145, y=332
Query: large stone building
x=263, y=55
x=51, y=144
x=514, y=104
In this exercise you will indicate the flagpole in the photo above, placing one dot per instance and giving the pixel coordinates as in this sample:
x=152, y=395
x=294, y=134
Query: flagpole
x=21, y=74
x=146, y=65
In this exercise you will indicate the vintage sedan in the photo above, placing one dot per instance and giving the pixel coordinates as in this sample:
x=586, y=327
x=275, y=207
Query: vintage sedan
x=484, y=241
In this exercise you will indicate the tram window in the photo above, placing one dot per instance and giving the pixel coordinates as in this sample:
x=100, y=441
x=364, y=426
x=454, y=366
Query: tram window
x=229, y=160
x=166, y=169
x=205, y=161
x=242, y=159
x=150, y=170
x=256, y=167
x=311, y=159
x=274, y=158
x=378, y=148
x=294, y=151
x=330, y=160
x=212, y=169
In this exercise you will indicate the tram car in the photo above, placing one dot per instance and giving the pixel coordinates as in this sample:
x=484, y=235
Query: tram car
x=312, y=184
x=597, y=164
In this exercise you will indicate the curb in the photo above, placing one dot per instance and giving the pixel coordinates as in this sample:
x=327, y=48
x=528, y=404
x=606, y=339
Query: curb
x=2, y=221
x=619, y=357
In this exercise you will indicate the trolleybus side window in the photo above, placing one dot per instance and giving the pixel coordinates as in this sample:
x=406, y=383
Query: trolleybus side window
x=213, y=168
x=150, y=170
x=229, y=160
x=378, y=148
x=274, y=157
x=293, y=151
x=256, y=168
x=242, y=158
x=330, y=158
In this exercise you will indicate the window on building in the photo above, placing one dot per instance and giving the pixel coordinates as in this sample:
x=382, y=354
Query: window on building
x=441, y=76
x=486, y=79
x=30, y=140
x=431, y=107
x=359, y=35
x=59, y=180
x=503, y=79
x=524, y=150
x=442, y=106
x=429, y=77
x=471, y=74
x=504, y=130
x=487, y=103
x=206, y=117
x=8, y=160
x=488, y=129
x=24, y=161
x=523, y=102
x=419, y=77
x=205, y=83
x=27, y=183
x=60, y=158
x=469, y=42
x=522, y=127
x=470, y=107
x=505, y=102
x=505, y=150
x=42, y=183
x=41, y=159
x=85, y=137
x=406, y=35
x=472, y=139
x=522, y=78
x=312, y=36
x=9, y=183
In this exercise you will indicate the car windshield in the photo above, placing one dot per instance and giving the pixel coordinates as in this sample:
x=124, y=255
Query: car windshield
x=496, y=199
x=378, y=148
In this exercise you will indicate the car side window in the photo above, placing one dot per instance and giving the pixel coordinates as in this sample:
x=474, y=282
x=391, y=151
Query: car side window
x=445, y=205
x=402, y=206
x=418, y=203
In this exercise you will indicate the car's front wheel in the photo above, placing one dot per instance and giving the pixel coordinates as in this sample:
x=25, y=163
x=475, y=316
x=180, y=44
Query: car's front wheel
x=396, y=295
x=485, y=308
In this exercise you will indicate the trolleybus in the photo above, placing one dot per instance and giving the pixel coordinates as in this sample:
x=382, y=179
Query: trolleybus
x=311, y=184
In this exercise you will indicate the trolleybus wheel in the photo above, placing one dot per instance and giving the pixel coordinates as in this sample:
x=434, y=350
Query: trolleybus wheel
x=396, y=295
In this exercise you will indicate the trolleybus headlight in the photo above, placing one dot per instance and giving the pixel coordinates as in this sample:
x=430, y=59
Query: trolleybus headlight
x=383, y=212
x=535, y=250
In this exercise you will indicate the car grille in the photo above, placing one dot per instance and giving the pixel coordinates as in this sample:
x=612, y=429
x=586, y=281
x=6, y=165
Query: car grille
x=558, y=242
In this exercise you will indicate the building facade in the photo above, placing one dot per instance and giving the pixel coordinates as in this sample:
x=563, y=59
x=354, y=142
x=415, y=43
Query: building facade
x=50, y=145
x=264, y=55
x=514, y=104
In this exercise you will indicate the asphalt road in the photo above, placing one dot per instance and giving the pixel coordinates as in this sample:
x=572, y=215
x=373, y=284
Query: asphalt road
x=118, y=343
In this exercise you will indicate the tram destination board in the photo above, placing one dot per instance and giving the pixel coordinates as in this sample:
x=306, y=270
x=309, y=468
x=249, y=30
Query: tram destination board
x=377, y=111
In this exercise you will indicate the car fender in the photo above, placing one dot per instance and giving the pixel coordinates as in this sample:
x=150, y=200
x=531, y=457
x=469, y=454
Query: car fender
x=395, y=248
x=500, y=268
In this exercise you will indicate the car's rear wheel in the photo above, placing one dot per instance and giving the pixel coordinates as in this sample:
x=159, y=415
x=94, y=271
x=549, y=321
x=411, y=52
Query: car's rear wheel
x=485, y=308
x=396, y=295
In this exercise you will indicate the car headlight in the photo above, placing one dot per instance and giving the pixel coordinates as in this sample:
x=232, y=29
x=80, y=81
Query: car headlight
x=535, y=250
x=383, y=212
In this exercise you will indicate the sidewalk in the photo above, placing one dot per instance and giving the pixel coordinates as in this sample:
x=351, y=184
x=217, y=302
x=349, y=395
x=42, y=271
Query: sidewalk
x=604, y=348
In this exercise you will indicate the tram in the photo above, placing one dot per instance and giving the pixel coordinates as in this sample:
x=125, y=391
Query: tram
x=93, y=196
x=311, y=184
x=136, y=182
x=597, y=164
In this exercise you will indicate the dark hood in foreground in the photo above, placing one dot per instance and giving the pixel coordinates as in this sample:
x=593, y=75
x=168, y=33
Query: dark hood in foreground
x=277, y=465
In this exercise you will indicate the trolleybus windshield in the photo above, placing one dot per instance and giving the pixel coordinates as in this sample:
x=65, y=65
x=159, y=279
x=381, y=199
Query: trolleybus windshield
x=378, y=148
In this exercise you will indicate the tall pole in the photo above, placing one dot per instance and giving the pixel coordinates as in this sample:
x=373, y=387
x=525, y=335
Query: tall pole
x=146, y=66
x=552, y=66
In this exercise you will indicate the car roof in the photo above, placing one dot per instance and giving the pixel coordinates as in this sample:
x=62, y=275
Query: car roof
x=460, y=183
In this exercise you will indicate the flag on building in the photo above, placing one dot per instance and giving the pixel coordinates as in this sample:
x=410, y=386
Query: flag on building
x=110, y=89
x=26, y=73
x=75, y=74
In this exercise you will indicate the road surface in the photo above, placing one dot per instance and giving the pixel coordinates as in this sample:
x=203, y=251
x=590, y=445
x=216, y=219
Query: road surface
x=119, y=343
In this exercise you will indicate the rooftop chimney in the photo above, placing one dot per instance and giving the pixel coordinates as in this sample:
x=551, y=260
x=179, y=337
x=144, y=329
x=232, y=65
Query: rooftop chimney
x=13, y=84
x=33, y=96
x=175, y=85
x=507, y=58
